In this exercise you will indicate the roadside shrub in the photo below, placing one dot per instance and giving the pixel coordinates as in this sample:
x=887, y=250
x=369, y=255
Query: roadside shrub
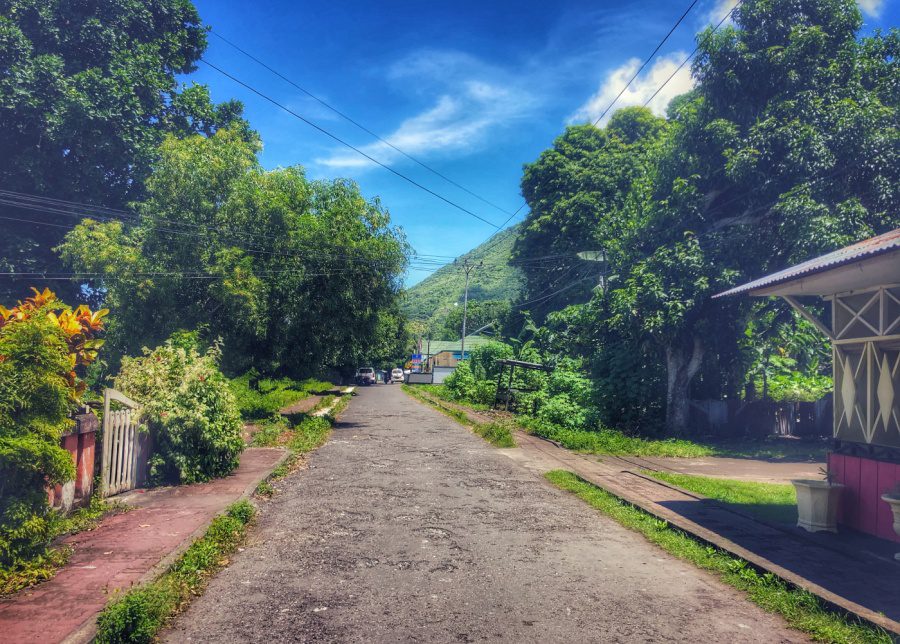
x=189, y=409
x=461, y=383
x=42, y=343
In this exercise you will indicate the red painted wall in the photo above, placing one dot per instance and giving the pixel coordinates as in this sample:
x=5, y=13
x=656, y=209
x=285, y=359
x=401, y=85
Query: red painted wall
x=866, y=480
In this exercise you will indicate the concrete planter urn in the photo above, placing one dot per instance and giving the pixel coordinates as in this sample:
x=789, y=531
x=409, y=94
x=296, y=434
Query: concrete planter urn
x=817, y=504
x=893, y=500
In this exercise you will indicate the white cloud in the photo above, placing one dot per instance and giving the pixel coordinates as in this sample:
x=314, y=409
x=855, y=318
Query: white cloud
x=467, y=101
x=640, y=90
x=719, y=10
x=871, y=7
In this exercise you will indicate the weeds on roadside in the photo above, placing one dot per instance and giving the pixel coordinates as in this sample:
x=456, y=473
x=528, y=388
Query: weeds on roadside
x=45, y=565
x=138, y=614
x=497, y=434
x=800, y=609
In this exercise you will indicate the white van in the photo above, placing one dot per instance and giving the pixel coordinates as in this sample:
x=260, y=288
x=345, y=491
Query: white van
x=396, y=375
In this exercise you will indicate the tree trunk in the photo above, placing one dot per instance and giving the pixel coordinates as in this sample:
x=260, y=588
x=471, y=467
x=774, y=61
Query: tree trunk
x=682, y=365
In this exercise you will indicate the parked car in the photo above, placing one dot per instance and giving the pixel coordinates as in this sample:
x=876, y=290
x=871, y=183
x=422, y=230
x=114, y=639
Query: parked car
x=397, y=375
x=365, y=376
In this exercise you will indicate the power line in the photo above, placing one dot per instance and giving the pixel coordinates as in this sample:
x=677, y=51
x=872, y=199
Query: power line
x=355, y=122
x=646, y=62
x=618, y=96
x=347, y=144
x=694, y=53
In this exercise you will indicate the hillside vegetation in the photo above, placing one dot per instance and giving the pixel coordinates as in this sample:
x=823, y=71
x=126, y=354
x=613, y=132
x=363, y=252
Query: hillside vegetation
x=432, y=297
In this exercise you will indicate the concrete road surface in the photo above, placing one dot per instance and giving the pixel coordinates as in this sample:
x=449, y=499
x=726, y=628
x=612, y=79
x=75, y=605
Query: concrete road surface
x=408, y=528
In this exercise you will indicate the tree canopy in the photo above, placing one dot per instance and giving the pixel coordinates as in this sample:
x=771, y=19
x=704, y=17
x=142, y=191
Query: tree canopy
x=88, y=91
x=293, y=275
x=786, y=148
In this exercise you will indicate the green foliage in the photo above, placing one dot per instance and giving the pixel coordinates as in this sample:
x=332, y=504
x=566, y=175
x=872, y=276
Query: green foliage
x=760, y=166
x=139, y=614
x=802, y=610
x=432, y=300
x=87, y=93
x=316, y=288
x=770, y=501
x=478, y=315
x=497, y=434
x=35, y=400
x=33, y=570
x=610, y=441
x=259, y=398
x=190, y=410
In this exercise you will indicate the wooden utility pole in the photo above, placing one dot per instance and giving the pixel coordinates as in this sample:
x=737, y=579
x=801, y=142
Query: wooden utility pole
x=468, y=268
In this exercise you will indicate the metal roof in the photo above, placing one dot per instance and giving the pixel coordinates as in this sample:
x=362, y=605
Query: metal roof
x=472, y=341
x=859, y=251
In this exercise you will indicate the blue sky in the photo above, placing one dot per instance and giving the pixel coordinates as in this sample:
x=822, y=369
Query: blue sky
x=474, y=89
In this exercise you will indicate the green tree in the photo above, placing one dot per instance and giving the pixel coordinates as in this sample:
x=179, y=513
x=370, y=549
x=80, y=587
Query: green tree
x=87, y=92
x=479, y=314
x=293, y=275
x=576, y=192
x=786, y=148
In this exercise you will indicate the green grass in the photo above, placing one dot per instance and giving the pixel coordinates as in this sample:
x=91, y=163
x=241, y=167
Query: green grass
x=497, y=434
x=301, y=434
x=800, y=609
x=769, y=501
x=610, y=441
x=272, y=394
x=139, y=614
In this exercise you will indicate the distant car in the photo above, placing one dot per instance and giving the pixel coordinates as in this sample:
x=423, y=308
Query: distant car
x=365, y=376
x=397, y=375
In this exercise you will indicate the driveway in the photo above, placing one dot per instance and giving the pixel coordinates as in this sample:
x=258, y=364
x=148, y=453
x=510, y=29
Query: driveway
x=407, y=527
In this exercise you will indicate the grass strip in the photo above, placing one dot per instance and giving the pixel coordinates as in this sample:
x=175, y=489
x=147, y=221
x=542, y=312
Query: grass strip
x=776, y=502
x=139, y=614
x=497, y=434
x=268, y=395
x=800, y=609
x=610, y=441
x=302, y=437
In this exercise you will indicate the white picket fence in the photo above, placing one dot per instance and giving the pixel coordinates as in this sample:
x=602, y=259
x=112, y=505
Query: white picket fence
x=120, y=427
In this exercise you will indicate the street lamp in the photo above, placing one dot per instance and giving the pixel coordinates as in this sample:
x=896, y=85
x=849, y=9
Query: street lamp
x=596, y=256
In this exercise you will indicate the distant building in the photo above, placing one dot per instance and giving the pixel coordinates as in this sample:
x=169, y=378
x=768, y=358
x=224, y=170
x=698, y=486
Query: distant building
x=444, y=353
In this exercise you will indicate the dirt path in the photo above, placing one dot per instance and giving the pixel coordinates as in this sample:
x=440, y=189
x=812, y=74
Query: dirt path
x=407, y=527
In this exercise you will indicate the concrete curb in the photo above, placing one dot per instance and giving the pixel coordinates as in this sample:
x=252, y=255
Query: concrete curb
x=88, y=630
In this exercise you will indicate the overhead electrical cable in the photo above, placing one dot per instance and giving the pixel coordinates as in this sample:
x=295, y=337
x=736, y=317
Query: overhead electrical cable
x=621, y=93
x=646, y=62
x=355, y=122
x=347, y=144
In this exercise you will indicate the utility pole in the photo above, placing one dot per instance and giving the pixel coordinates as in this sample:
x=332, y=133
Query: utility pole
x=468, y=268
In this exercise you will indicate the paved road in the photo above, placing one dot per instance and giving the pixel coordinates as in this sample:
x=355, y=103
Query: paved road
x=407, y=528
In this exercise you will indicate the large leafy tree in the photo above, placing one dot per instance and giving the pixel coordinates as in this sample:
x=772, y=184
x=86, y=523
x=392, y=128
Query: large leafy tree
x=294, y=275
x=87, y=92
x=576, y=191
x=786, y=148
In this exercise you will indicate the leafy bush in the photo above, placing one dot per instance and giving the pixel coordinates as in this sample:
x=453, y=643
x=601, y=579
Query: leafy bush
x=461, y=383
x=42, y=343
x=190, y=411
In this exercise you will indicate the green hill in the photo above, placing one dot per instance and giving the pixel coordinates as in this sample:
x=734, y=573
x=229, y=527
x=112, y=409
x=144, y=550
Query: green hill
x=496, y=280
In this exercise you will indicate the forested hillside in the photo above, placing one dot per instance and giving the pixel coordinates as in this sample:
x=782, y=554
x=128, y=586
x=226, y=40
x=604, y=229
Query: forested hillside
x=432, y=298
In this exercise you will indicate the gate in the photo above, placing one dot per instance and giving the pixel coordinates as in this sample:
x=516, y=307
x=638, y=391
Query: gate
x=119, y=470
